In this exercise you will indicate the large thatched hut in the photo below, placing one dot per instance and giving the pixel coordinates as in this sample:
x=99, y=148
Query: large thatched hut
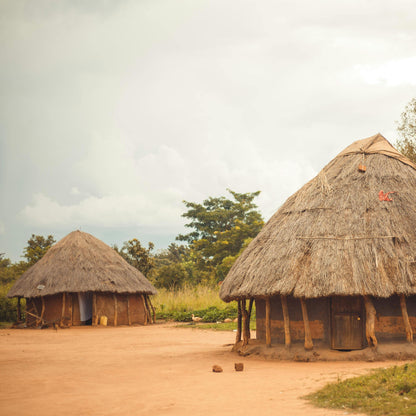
x=81, y=279
x=336, y=264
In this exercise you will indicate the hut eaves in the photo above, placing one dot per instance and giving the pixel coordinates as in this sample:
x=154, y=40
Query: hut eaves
x=335, y=236
x=81, y=263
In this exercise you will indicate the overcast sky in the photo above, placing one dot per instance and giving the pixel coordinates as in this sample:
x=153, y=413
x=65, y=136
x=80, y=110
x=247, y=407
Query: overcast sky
x=114, y=112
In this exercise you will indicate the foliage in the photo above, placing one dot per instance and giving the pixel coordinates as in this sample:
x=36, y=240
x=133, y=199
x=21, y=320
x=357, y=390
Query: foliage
x=187, y=298
x=220, y=228
x=390, y=391
x=136, y=255
x=36, y=248
x=406, y=128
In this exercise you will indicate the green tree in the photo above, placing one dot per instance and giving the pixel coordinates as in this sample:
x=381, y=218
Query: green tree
x=220, y=226
x=137, y=255
x=36, y=248
x=406, y=128
x=170, y=269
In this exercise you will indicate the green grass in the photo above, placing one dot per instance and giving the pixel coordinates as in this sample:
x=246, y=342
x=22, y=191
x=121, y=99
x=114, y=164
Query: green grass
x=187, y=299
x=228, y=326
x=5, y=325
x=385, y=392
x=202, y=301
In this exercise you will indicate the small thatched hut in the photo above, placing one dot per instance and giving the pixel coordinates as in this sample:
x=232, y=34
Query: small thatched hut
x=336, y=264
x=81, y=279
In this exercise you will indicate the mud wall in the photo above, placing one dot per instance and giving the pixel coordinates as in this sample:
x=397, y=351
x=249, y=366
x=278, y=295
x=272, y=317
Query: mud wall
x=71, y=316
x=318, y=313
x=389, y=321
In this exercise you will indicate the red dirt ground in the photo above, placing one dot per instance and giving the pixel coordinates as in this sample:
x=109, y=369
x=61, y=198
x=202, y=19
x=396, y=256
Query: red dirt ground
x=152, y=370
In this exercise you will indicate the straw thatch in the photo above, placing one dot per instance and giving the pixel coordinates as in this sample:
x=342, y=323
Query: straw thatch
x=80, y=263
x=334, y=236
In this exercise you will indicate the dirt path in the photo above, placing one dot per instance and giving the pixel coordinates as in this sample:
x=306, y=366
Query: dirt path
x=153, y=370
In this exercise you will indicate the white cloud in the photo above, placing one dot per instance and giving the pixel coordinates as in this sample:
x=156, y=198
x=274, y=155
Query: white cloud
x=392, y=73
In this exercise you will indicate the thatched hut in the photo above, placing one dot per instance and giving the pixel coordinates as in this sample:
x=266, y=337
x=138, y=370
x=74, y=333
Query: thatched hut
x=336, y=264
x=81, y=279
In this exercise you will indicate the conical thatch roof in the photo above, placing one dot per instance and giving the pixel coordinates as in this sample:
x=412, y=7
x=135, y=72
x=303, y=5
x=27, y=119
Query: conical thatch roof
x=81, y=263
x=335, y=236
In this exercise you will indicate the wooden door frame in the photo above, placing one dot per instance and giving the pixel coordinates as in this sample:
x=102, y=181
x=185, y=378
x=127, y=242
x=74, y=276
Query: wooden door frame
x=362, y=318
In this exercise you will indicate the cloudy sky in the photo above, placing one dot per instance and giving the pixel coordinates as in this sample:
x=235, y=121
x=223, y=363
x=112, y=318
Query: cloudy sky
x=114, y=112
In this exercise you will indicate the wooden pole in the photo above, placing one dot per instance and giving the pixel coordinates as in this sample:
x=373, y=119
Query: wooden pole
x=19, y=310
x=268, y=324
x=250, y=308
x=245, y=319
x=70, y=308
x=239, y=323
x=115, y=308
x=128, y=309
x=43, y=309
x=308, y=336
x=94, y=309
x=153, y=309
x=146, y=312
x=370, y=312
x=63, y=310
x=286, y=321
x=408, y=327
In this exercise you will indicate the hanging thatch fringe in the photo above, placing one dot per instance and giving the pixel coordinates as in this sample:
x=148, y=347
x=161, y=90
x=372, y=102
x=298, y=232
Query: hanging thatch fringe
x=81, y=263
x=315, y=245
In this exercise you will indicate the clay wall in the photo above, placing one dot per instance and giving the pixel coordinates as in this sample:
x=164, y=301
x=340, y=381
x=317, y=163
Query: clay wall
x=318, y=313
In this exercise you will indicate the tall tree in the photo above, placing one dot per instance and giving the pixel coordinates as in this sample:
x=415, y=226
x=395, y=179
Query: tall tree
x=36, y=248
x=137, y=255
x=406, y=128
x=220, y=226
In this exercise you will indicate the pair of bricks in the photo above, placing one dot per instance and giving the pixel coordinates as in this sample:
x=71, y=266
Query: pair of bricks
x=237, y=367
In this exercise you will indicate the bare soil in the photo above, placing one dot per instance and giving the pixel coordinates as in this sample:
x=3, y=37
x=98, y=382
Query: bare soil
x=153, y=370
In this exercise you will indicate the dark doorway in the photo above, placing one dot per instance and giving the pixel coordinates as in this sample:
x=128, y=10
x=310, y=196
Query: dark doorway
x=347, y=323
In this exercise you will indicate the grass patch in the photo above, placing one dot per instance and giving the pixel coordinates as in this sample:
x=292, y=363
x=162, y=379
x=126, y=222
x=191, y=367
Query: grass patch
x=5, y=325
x=202, y=301
x=390, y=391
x=224, y=326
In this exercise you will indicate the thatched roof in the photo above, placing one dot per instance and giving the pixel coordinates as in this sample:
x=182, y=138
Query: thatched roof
x=80, y=263
x=335, y=236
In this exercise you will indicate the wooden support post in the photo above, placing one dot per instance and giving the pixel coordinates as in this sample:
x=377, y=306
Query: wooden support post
x=408, y=327
x=128, y=309
x=153, y=310
x=286, y=321
x=239, y=323
x=70, y=308
x=94, y=309
x=250, y=308
x=43, y=309
x=19, y=310
x=246, y=335
x=308, y=336
x=146, y=312
x=63, y=310
x=115, y=308
x=370, y=312
x=268, y=324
